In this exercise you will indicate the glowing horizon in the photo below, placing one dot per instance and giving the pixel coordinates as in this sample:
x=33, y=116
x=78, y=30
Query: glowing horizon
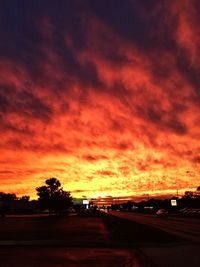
x=103, y=96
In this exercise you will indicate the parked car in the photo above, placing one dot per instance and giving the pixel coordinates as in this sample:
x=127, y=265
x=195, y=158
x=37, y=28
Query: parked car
x=190, y=212
x=162, y=212
x=71, y=210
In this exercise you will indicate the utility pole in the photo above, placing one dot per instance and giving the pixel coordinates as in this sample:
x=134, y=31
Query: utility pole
x=177, y=191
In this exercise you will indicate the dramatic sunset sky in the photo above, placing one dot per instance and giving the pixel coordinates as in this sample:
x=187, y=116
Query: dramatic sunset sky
x=102, y=94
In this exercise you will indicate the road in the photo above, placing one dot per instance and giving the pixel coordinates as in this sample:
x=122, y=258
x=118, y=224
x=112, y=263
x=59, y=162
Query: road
x=186, y=228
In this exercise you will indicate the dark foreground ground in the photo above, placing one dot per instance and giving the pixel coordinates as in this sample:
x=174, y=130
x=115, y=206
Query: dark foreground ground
x=100, y=240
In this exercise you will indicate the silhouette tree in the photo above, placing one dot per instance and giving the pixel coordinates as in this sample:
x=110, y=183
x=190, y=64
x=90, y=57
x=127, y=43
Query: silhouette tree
x=7, y=196
x=5, y=200
x=188, y=194
x=25, y=198
x=53, y=197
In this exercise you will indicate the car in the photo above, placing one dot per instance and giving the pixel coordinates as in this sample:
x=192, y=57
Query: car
x=162, y=212
x=71, y=210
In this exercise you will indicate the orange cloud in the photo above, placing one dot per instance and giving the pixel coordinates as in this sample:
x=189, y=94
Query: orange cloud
x=109, y=104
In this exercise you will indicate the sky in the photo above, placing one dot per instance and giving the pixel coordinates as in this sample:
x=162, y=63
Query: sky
x=102, y=94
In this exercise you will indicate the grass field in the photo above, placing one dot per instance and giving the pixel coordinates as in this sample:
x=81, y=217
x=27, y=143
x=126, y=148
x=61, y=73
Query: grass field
x=102, y=228
x=69, y=241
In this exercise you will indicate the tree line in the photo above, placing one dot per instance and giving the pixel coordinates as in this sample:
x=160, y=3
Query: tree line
x=51, y=197
x=191, y=200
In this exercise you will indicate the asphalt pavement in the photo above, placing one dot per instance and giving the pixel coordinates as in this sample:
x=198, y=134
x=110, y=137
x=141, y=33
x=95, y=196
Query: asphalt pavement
x=183, y=254
x=186, y=228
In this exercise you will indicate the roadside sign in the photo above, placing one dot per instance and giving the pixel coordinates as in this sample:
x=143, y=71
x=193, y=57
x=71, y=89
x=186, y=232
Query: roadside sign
x=173, y=202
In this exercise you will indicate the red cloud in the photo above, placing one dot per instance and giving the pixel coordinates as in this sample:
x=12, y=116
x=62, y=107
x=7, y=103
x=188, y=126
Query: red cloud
x=102, y=103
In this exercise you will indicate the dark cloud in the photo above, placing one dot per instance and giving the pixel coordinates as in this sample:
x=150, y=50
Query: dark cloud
x=33, y=106
x=3, y=104
x=93, y=158
x=106, y=173
x=119, y=90
x=25, y=41
x=24, y=103
x=29, y=145
x=164, y=119
x=117, y=125
x=16, y=128
x=189, y=72
x=28, y=40
x=124, y=146
x=141, y=22
x=196, y=159
x=80, y=191
x=176, y=126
